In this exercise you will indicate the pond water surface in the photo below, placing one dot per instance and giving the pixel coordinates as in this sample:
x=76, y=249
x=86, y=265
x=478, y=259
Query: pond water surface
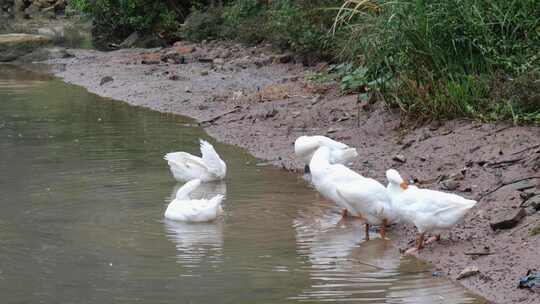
x=84, y=188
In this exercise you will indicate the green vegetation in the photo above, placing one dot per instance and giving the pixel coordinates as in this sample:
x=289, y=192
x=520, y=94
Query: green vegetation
x=449, y=58
x=432, y=59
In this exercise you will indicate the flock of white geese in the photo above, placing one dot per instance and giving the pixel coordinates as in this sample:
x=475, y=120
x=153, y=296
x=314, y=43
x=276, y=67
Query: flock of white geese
x=356, y=195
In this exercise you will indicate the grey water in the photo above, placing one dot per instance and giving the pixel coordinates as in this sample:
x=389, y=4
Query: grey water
x=84, y=187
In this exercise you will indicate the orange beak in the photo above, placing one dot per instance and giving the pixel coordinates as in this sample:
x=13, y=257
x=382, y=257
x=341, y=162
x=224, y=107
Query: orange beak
x=404, y=185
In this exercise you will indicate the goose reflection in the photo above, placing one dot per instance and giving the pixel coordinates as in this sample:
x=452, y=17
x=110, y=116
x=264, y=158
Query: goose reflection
x=343, y=267
x=198, y=243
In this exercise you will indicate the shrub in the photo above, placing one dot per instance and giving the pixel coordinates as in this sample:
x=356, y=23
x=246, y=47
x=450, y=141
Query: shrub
x=204, y=24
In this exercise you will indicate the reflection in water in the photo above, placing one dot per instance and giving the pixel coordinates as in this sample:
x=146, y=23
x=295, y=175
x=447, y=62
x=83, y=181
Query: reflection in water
x=343, y=267
x=198, y=243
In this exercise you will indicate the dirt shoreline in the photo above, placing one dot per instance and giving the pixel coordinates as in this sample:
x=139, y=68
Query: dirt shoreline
x=260, y=101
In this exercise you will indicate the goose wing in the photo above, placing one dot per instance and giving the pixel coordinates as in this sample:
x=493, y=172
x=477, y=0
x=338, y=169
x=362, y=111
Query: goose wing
x=211, y=159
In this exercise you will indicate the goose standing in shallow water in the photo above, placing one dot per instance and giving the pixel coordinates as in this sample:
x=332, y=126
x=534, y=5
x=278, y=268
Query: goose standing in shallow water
x=186, y=167
x=305, y=147
x=185, y=209
x=326, y=177
x=371, y=199
x=429, y=210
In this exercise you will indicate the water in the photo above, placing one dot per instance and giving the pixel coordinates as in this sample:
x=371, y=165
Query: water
x=84, y=188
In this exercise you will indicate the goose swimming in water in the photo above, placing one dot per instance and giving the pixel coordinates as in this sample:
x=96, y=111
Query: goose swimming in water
x=185, y=209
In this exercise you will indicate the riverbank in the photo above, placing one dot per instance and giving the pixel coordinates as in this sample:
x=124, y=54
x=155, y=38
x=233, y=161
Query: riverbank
x=261, y=101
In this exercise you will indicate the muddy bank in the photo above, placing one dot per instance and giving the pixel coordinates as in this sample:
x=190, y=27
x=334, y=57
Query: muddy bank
x=260, y=101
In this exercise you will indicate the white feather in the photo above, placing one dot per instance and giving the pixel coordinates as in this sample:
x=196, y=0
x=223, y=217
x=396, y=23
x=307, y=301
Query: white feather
x=186, y=167
x=182, y=208
x=326, y=177
x=428, y=210
x=340, y=153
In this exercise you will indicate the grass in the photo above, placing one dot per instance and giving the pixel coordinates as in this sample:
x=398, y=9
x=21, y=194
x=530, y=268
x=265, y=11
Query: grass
x=446, y=58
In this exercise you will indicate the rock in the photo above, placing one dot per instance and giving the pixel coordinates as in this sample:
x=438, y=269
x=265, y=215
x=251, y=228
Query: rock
x=218, y=61
x=32, y=11
x=268, y=113
x=467, y=272
x=130, y=40
x=533, y=202
x=284, y=58
x=525, y=185
x=399, y=158
x=180, y=48
x=173, y=58
x=46, y=31
x=508, y=220
x=105, y=80
x=13, y=46
x=153, y=58
x=332, y=130
x=225, y=54
x=43, y=54
x=450, y=184
x=18, y=7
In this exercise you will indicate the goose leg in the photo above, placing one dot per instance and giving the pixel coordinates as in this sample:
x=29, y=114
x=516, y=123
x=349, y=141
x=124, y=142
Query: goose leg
x=383, y=228
x=367, y=232
x=419, y=244
x=433, y=239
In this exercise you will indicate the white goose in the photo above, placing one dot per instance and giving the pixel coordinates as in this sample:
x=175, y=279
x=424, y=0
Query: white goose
x=186, y=167
x=185, y=209
x=369, y=198
x=305, y=147
x=429, y=210
x=326, y=177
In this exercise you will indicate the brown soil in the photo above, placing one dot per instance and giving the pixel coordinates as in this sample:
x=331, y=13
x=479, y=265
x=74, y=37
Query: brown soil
x=248, y=97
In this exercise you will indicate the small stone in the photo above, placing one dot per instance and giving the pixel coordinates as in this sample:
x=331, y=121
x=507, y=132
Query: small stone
x=316, y=99
x=187, y=90
x=450, y=184
x=533, y=202
x=467, y=272
x=284, y=58
x=399, y=158
x=332, y=130
x=218, y=61
x=105, y=80
x=204, y=73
